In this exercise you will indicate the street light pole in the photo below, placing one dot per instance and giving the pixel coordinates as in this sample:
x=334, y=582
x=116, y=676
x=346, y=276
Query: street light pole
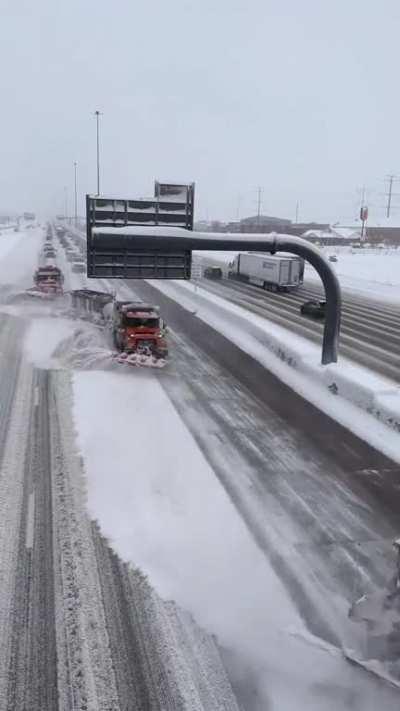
x=98, y=114
x=76, y=196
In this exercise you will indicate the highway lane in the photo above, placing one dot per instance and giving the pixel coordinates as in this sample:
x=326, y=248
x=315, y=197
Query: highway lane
x=321, y=503
x=370, y=332
x=79, y=628
x=33, y=662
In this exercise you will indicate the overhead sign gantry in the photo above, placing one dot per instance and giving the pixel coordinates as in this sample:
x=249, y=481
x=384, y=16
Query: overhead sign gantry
x=154, y=239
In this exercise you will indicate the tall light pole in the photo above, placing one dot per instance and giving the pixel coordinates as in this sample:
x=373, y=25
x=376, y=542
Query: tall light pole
x=76, y=195
x=98, y=114
x=65, y=203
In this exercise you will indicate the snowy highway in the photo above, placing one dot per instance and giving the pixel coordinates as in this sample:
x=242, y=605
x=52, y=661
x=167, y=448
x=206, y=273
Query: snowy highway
x=293, y=472
x=321, y=504
x=80, y=629
x=251, y=513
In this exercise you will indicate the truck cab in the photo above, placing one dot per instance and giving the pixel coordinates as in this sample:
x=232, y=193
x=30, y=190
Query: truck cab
x=138, y=328
x=49, y=280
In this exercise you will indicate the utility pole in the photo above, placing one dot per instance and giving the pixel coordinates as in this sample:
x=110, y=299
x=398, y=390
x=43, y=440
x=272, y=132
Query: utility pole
x=363, y=215
x=297, y=213
x=238, y=204
x=98, y=114
x=76, y=196
x=259, y=195
x=390, y=178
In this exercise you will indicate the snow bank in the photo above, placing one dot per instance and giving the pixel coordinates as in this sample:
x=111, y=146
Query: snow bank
x=348, y=393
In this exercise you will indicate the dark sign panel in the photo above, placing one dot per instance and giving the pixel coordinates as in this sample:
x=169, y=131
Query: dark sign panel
x=129, y=263
x=111, y=256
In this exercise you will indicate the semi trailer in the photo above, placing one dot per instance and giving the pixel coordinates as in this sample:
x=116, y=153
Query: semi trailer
x=271, y=272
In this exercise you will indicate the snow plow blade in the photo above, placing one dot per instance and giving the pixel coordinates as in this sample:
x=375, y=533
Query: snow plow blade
x=37, y=294
x=140, y=360
x=30, y=295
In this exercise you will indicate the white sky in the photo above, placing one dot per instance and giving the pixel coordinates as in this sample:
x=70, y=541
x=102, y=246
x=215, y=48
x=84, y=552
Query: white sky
x=300, y=97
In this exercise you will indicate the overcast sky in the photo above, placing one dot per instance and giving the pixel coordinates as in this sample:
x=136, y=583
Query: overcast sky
x=300, y=97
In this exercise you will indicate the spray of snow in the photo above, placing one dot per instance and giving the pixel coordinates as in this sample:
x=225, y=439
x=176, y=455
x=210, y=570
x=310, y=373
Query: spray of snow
x=43, y=337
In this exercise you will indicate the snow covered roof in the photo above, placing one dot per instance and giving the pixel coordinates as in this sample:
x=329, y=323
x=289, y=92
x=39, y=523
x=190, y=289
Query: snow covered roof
x=320, y=234
x=349, y=233
x=264, y=219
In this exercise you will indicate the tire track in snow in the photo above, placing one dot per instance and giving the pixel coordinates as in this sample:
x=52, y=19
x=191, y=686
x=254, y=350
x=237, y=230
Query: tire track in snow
x=16, y=385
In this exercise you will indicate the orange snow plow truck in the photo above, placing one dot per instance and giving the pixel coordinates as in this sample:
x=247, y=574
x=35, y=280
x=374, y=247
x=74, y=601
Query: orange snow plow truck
x=138, y=331
x=138, y=328
x=48, y=280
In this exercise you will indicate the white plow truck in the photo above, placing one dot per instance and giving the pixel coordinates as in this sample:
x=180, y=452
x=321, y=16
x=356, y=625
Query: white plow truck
x=274, y=273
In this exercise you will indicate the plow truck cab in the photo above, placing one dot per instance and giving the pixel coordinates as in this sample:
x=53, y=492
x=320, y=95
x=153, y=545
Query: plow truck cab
x=49, y=280
x=138, y=328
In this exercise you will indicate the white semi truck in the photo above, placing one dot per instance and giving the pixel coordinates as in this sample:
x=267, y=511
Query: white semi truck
x=280, y=272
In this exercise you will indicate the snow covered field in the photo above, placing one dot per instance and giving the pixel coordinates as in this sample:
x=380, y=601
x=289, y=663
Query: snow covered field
x=374, y=273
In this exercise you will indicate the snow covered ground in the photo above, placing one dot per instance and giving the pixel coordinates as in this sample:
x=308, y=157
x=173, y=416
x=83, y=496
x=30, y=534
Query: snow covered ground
x=374, y=273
